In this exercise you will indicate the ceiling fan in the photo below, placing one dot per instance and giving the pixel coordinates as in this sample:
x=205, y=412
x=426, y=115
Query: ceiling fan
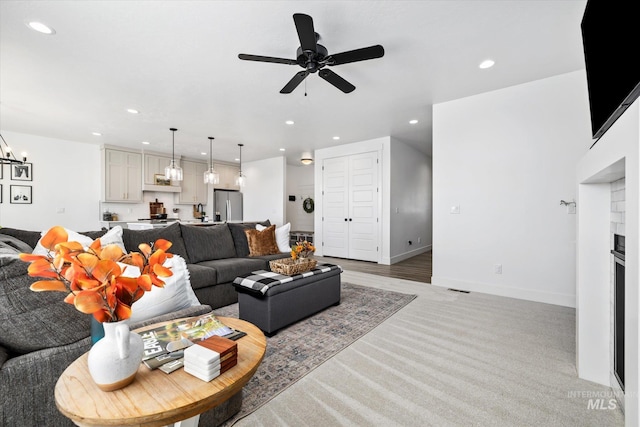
x=313, y=57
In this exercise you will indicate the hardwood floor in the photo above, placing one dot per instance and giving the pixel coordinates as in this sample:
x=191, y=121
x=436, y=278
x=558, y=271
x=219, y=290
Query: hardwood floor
x=417, y=268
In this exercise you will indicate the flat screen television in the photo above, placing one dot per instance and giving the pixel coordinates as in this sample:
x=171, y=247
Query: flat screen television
x=611, y=40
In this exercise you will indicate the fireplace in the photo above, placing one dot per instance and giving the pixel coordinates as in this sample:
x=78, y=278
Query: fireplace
x=618, y=252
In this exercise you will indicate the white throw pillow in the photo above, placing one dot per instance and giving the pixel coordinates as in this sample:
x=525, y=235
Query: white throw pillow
x=176, y=294
x=111, y=237
x=282, y=236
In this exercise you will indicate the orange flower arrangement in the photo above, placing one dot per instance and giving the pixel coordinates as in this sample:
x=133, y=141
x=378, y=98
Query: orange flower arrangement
x=93, y=278
x=302, y=250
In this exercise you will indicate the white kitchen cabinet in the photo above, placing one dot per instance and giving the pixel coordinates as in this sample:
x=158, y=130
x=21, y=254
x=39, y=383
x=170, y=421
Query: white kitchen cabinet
x=154, y=165
x=122, y=176
x=228, y=175
x=194, y=190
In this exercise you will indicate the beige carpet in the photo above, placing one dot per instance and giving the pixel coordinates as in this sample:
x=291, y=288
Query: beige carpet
x=448, y=359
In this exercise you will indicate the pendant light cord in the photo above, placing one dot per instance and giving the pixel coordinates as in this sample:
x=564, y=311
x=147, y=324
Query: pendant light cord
x=173, y=146
x=211, y=153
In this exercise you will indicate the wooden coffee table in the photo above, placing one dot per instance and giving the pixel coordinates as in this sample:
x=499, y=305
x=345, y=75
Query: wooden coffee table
x=155, y=398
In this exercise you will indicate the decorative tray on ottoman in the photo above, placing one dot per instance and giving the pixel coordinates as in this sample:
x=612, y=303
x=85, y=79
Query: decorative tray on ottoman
x=290, y=267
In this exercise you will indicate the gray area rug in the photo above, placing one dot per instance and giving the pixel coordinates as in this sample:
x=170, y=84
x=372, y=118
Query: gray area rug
x=298, y=349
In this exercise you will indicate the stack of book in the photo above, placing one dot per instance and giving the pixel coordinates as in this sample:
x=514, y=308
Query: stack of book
x=164, y=345
x=211, y=357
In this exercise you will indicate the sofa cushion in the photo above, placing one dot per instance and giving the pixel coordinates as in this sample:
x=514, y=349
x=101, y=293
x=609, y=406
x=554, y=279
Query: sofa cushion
x=210, y=242
x=29, y=237
x=31, y=321
x=201, y=276
x=262, y=242
x=111, y=237
x=175, y=295
x=240, y=239
x=11, y=246
x=133, y=238
x=282, y=236
x=229, y=268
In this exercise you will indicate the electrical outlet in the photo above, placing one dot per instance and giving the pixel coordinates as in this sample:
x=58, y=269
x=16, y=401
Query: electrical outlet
x=419, y=239
x=497, y=268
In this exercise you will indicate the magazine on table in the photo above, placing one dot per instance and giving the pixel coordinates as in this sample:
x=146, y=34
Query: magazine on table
x=166, y=343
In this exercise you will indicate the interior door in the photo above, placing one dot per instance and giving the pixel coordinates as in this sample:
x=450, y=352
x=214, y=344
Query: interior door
x=363, y=207
x=350, y=207
x=335, y=207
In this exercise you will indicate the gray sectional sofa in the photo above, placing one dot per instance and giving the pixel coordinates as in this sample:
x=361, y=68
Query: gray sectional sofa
x=40, y=335
x=215, y=255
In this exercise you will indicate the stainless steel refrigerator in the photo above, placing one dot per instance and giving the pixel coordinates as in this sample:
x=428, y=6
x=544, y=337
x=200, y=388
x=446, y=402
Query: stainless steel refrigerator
x=229, y=204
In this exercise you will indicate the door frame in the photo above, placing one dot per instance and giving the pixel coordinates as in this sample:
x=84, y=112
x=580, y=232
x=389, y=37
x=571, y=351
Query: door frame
x=375, y=145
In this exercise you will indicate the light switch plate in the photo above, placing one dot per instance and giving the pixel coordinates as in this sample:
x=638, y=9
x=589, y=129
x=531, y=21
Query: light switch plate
x=455, y=209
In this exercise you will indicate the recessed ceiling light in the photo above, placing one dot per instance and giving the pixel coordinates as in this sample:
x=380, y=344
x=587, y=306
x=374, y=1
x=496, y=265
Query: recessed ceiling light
x=132, y=111
x=96, y=134
x=487, y=63
x=336, y=138
x=289, y=122
x=146, y=142
x=203, y=153
x=413, y=122
x=41, y=28
x=237, y=160
x=282, y=149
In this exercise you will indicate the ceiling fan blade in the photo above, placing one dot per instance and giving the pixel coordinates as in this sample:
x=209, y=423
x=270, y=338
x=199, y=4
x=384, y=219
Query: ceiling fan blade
x=267, y=59
x=337, y=81
x=356, y=55
x=294, y=82
x=306, y=33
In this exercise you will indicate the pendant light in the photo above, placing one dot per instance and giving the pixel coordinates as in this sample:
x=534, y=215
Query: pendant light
x=241, y=180
x=173, y=171
x=7, y=156
x=211, y=176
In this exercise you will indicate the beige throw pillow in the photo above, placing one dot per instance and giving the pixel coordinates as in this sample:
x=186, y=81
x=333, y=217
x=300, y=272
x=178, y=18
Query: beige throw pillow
x=262, y=242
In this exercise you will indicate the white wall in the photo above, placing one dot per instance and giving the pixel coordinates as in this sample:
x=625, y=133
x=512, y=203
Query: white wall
x=616, y=154
x=507, y=158
x=264, y=193
x=299, y=184
x=410, y=202
x=66, y=175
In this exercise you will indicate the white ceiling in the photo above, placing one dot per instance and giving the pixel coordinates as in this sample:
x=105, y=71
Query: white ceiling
x=177, y=63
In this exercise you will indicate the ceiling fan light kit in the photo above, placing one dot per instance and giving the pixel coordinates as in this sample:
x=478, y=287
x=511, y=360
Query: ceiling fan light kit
x=313, y=57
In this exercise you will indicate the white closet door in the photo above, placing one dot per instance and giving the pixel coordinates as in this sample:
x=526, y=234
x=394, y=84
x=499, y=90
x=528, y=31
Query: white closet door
x=350, y=207
x=363, y=207
x=335, y=207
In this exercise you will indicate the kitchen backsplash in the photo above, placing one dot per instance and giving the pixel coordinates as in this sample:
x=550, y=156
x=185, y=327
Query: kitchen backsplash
x=134, y=211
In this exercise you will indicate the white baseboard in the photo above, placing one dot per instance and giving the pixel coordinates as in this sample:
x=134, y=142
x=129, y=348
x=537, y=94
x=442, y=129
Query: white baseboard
x=564, y=300
x=408, y=255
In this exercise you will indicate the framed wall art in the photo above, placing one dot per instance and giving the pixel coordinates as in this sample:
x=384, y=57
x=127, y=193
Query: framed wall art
x=22, y=172
x=0, y=193
x=159, y=179
x=20, y=194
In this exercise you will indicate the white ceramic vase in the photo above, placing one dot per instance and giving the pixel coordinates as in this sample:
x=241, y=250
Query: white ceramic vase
x=114, y=360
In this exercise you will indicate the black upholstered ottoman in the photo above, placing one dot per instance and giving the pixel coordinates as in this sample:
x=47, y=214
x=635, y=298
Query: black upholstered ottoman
x=289, y=302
